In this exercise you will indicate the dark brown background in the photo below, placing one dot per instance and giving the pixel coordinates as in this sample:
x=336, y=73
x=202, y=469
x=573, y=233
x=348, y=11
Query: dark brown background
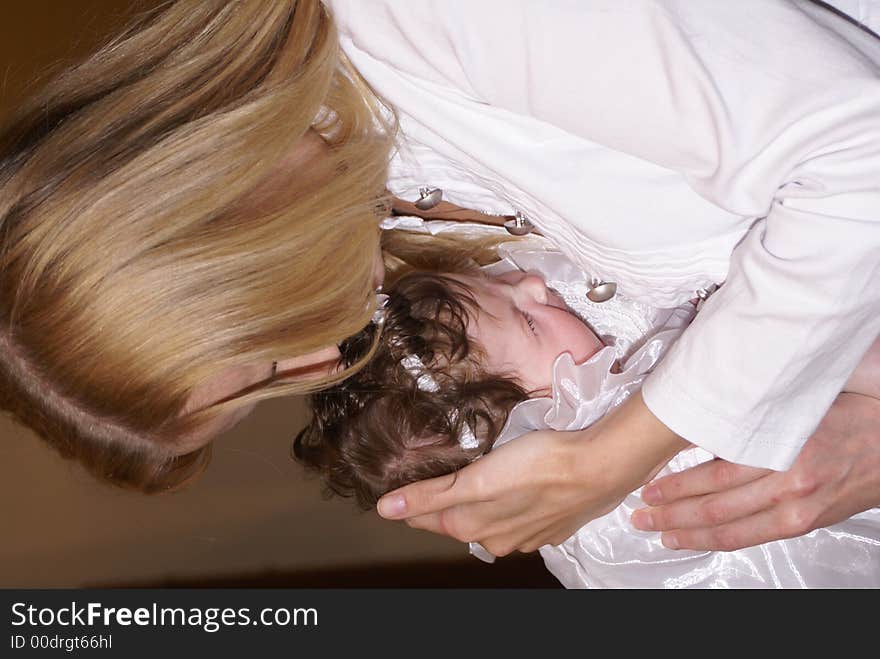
x=253, y=519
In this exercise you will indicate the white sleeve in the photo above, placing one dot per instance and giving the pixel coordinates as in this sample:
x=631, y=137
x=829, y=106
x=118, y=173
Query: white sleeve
x=769, y=109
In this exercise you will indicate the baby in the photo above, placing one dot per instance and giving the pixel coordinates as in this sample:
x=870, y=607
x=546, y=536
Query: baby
x=466, y=362
x=456, y=353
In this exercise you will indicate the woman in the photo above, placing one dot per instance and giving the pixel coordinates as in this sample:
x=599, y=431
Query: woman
x=159, y=256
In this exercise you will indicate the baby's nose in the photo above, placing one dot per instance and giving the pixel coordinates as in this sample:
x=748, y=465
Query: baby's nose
x=534, y=287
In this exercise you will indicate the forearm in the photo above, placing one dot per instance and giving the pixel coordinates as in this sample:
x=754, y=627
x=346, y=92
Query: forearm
x=631, y=443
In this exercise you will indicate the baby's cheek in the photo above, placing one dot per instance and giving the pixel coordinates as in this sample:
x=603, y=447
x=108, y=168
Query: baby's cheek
x=539, y=377
x=597, y=344
x=584, y=343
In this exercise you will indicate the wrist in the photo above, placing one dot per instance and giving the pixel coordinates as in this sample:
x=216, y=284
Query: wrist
x=657, y=439
x=633, y=445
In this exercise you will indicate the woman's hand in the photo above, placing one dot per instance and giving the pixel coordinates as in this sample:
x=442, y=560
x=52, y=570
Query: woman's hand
x=542, y=487
x=724, y=506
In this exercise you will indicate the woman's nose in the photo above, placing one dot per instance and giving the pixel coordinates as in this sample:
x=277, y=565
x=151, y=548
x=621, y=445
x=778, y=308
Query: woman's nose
x=534, y=287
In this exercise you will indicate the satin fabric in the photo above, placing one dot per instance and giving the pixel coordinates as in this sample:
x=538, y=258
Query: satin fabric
x=608, y=552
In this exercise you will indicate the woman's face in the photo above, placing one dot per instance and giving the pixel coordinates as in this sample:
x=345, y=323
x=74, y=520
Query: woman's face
x=308, y=150
x=239, y=378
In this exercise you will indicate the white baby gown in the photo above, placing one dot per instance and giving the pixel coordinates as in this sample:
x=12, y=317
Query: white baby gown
x=609, y=552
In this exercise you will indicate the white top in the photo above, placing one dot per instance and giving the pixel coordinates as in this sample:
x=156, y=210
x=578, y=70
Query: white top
x=664, y=146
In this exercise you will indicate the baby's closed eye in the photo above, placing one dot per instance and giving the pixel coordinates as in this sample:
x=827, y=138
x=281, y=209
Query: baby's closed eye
x=529, y=321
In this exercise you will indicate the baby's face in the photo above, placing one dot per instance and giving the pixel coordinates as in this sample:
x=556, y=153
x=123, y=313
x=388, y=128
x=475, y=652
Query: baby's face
x=523, y=327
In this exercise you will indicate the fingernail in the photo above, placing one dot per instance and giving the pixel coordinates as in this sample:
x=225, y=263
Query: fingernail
x=669, y=540
x=643, y=520
x=392, y=506
x=651, y=494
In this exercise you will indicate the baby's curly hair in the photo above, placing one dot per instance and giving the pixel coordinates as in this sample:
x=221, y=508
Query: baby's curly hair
x=378, y=430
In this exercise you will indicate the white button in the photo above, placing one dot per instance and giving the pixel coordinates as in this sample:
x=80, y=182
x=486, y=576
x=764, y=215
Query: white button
x=519, y=225
x=428, y=198
x=602, y=291
x=703, y=294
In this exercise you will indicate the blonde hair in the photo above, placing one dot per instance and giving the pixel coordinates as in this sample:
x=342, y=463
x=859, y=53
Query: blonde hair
x=138, y=256
x=148, y=242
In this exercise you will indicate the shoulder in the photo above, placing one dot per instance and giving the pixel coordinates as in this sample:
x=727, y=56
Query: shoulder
x=461, y=43
x=491, y=49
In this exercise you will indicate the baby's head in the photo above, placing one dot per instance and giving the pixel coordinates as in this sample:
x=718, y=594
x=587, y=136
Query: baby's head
x=456, y=354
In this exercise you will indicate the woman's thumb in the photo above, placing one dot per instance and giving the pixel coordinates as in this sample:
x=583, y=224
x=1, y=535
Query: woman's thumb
x=420, y=498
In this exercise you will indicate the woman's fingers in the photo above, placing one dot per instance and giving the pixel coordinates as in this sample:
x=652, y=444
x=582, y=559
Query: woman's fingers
x=835, y=476
x=467, y=523
x=712, y=493
x=713, y=476
x=432, y=522
x=494, y=475
x=765, y=526
x=542, y=487
x=525, y=539
x=714, y=509
x=498, y=475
